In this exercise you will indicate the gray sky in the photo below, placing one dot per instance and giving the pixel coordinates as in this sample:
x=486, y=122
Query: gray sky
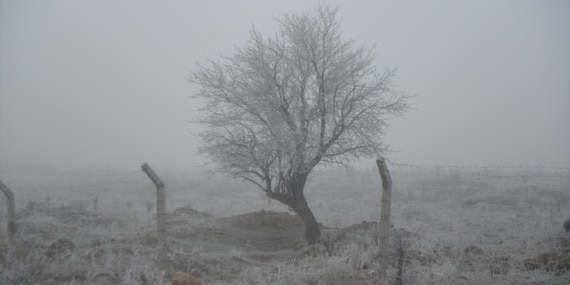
x=103, y=83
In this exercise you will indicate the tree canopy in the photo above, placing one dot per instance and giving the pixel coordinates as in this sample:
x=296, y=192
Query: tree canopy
x=283, y=104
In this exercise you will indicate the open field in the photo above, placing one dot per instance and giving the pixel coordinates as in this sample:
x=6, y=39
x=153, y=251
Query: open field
x=454, y=225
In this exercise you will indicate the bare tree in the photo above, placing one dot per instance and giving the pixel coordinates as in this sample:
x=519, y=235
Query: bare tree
x=282, y=105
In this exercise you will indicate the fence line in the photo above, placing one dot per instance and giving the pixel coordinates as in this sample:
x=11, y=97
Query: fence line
x=137, y=178
x=436, y=166
x=512, y=171
x=123, y=179
x=491, y=175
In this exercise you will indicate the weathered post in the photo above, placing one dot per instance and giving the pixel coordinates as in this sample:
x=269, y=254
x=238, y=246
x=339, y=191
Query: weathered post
x=160, y=215
x=11, y=213
x=384, y=234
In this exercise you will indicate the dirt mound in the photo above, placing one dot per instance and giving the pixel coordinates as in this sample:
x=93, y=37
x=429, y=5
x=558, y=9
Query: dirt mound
x=187, y=212
x=266, y=231
x=267, y=220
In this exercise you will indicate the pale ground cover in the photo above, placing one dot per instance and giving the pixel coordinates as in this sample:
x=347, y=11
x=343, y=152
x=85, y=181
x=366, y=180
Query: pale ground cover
x=226, y=232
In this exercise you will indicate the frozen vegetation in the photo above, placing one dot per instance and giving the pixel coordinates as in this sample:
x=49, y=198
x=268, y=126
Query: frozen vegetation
x=451, y=226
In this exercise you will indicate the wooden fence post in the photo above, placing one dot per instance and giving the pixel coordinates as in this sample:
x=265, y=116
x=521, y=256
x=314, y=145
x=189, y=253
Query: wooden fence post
x=384, y=234
x=11, y=213
x=160, y=215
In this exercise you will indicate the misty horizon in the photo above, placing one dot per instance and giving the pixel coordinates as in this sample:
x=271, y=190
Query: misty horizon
x=104, y=84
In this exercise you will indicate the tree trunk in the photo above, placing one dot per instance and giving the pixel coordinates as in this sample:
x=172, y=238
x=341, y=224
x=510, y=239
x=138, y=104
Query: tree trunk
x=312, y=231
x=295, y=199
x=300, y=206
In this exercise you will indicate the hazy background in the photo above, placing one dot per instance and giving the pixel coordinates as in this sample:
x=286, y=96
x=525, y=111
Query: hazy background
x=103, y=83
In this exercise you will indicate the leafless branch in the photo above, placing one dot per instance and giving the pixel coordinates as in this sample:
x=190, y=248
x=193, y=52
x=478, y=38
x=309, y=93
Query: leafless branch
x=282, y=105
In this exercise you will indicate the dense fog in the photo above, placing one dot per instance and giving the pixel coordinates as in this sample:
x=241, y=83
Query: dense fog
x=104, y=84
x=479, y=165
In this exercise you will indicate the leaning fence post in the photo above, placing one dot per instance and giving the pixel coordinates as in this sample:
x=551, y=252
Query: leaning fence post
x=160, y=214
x=384, y=233
x=11, y=212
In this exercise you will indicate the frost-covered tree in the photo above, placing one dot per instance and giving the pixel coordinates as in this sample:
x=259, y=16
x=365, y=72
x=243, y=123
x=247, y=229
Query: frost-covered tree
x=281, y=105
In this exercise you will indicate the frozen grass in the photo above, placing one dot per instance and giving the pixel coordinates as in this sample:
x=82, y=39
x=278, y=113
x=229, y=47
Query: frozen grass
x=92, y=260
x=503, y=213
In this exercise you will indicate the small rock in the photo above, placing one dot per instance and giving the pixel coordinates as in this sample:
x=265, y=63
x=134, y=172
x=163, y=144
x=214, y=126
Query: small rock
x=567, y=226
x=473, y=250
x=181, y=278
x=60, y=248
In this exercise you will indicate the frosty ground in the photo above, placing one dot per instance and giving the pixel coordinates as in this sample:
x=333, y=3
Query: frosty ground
x=458, y=225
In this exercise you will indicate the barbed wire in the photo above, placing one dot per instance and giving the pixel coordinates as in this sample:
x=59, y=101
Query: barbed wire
x=130, y=178
x=436, y=166
x=489, y=175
